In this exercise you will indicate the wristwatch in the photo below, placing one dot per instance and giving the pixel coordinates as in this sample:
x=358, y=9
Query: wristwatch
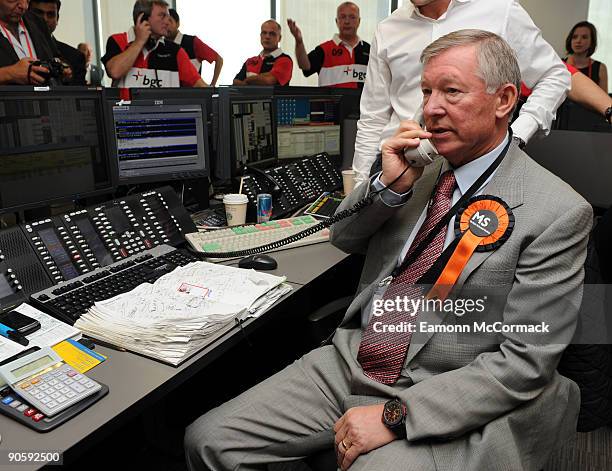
x=608, y=114
x=394, y=417
x=519, y=142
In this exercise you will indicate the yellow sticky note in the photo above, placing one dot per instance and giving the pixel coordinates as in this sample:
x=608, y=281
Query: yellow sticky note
x=77, y=355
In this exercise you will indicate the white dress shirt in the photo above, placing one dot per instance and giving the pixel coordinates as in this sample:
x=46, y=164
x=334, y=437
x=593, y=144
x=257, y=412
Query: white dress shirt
x=392, y=90
x=22, y=45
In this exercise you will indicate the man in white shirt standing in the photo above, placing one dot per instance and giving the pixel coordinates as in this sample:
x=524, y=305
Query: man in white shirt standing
x=392, y=89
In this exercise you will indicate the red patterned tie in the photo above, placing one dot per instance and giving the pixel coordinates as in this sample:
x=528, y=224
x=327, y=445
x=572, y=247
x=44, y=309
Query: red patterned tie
x=382, y=354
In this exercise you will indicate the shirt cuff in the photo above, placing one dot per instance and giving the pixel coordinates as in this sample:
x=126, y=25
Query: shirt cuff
x=389, y=197
x=525, y=127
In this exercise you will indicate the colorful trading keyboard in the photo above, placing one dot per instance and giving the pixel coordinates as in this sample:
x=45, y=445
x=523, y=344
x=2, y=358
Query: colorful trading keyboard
x=251, y=236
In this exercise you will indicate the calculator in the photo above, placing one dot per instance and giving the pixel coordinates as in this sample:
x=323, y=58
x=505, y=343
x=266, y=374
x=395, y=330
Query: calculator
x=45, y=381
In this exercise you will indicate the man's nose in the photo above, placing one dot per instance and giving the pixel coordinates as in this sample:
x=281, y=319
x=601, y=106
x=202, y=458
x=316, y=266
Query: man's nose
x=433, y=106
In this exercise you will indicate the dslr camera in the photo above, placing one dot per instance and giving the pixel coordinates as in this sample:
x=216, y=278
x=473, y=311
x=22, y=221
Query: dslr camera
x=56, y=71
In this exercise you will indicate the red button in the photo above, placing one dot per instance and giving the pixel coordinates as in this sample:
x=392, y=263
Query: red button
x=29, y=412
x=148, y=243
x=124, y=252
x=38, y=417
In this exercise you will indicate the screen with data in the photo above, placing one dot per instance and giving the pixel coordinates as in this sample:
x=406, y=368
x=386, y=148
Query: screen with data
x=307, y=125
x=159, y=142
x=52, y=147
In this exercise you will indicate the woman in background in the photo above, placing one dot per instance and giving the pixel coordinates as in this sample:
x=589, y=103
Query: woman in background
x=580, y=45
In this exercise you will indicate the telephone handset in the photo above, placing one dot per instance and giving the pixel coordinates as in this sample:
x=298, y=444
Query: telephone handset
x=426, y=153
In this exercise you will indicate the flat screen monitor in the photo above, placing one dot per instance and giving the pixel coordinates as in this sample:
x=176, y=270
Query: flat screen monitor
x=308, y=125
x=156, y=140
x=52, y=146
x=252, y=131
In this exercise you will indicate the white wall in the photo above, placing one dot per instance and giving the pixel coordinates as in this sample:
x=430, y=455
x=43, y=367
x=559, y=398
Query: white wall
x=556, y=17
x=76, y=22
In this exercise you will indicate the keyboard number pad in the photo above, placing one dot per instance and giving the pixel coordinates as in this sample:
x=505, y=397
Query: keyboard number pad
x=57, y=389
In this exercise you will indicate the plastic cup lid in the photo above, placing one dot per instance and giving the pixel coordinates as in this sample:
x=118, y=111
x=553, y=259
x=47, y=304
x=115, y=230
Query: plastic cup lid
x=235, y=199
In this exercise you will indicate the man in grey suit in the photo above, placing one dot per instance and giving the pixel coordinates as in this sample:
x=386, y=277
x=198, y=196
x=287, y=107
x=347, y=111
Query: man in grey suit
x=428, y=400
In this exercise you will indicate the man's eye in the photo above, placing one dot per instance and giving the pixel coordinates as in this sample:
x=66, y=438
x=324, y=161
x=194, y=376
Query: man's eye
x=426, y=91
x=452, y=91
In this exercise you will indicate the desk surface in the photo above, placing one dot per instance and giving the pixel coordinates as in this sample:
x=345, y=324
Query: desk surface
x=135, y=381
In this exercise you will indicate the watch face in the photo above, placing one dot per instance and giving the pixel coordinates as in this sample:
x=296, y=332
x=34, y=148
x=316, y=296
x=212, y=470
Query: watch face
x=393, y=412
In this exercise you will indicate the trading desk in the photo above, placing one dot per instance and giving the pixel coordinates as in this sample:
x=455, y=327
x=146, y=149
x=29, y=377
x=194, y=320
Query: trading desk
x=136, y=382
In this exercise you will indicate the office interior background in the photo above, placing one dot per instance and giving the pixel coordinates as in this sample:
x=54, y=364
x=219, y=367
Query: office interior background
x=231, y=27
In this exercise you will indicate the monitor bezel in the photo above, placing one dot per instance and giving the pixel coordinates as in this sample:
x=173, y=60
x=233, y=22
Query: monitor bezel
x=86, y=92
x=156, y=98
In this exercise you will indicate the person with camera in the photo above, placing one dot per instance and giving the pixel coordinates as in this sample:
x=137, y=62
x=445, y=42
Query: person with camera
x=24, y=41
x=143, y=57
x=72, y=59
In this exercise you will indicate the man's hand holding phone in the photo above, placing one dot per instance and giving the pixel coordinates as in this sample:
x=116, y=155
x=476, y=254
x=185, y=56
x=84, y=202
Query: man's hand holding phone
x=408, y=136
x=143, y=30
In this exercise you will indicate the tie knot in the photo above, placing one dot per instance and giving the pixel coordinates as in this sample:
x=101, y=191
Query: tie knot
x=446, y=184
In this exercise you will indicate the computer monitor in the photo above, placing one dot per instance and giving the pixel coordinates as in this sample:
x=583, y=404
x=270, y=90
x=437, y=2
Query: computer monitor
x=52, y=146
x=160, y=138
x=308, y=125
x=246, y=130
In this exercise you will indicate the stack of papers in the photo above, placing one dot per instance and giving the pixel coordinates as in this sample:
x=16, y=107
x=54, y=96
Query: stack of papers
x=182, y=311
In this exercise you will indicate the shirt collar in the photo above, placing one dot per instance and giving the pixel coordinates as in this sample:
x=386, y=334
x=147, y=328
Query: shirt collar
x=274, y=54
x=20, y=30
x=336, y=39
x=414, y=11
x=467, y=174
x=179, y=38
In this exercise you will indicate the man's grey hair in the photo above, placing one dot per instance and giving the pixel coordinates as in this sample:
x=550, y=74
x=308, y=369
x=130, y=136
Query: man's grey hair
x=275, y=23
x=497, y=62
x=348, y=4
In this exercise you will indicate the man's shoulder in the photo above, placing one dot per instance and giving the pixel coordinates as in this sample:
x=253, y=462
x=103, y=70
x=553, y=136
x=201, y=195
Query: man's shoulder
x=67, y=50
x=546, y=188
x=285, y=56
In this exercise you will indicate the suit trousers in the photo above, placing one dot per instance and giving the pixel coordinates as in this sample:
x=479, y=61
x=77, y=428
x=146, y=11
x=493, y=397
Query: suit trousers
x=290, y=416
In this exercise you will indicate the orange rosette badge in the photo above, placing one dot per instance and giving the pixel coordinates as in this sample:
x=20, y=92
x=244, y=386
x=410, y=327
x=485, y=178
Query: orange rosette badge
x=484, y=225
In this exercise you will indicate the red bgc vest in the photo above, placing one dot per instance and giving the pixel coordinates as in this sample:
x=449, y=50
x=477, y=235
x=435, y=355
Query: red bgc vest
x=343, y=68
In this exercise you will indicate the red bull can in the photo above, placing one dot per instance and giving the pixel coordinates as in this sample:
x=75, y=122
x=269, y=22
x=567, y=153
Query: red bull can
x=264, y=207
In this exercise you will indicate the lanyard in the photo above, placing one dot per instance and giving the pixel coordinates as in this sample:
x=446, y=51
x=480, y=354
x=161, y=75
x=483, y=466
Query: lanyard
x=27, y=36
x=453, y=211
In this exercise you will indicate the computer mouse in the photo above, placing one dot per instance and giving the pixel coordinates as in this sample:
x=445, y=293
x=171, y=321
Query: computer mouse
x=258, y=262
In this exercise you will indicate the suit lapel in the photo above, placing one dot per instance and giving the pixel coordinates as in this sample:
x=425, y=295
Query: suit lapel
x=507, y=184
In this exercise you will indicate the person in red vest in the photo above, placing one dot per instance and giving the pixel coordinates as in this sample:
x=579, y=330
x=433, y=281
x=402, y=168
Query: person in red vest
x=271, y=66
x=342, y=61
x=143, y=57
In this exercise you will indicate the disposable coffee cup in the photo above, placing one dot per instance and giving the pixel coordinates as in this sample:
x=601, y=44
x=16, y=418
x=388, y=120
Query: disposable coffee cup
x=348, y=180
x=235, y=209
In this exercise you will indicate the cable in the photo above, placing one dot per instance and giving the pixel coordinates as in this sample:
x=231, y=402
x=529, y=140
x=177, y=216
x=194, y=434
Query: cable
x=368, y=200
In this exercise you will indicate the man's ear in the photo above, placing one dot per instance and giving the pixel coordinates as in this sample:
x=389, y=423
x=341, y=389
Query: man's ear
x=507, y=96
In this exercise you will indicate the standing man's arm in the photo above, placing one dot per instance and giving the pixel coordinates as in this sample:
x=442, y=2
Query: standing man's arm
x=541, y=70
x=217, y=71
x=300, y=49
x=205, y=53
x=376, y=111
x=188, y=75
x=118, y=63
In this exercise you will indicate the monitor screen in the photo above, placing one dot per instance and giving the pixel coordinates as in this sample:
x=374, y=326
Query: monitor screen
x=252, y=131
x=159, y=140
x=307, y=125
x=52, y=147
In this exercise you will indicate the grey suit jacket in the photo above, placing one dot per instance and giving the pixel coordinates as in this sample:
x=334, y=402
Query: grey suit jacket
x=457, y=389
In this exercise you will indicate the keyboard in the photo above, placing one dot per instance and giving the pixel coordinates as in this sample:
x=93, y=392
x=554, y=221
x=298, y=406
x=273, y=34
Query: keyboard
x=255, y=235
x=68, y=301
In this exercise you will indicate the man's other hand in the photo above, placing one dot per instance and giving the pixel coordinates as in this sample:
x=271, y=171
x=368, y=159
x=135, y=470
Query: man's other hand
x=408, y=136
x=295, y=30
x=360, y=431
x=19, y=72
x=143, y=30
